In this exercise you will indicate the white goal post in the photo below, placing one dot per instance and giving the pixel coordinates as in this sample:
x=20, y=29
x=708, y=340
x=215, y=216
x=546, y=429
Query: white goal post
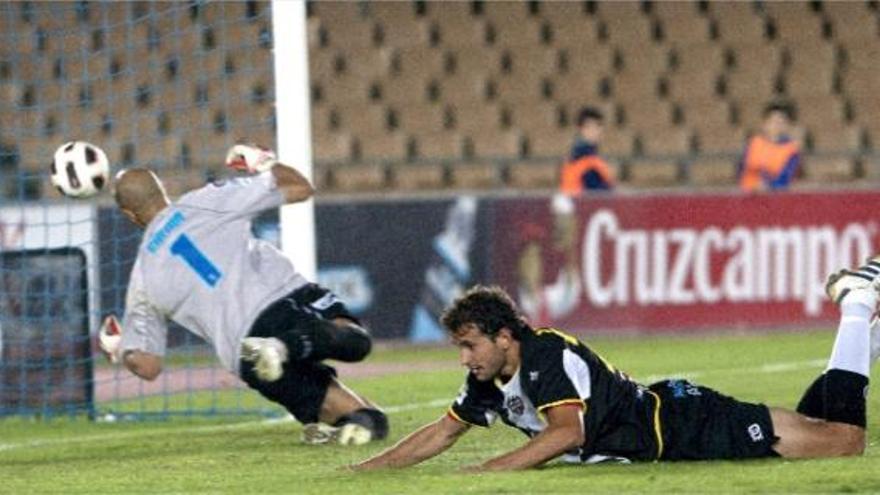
x=293, y=134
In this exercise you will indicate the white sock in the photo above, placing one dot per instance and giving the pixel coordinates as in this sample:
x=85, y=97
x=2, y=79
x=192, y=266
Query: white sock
x=852, y=347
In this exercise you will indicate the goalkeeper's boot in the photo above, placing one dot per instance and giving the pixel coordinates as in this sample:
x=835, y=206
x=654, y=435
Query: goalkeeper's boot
x=267, y=354
x=347, y=434
x=841, y=283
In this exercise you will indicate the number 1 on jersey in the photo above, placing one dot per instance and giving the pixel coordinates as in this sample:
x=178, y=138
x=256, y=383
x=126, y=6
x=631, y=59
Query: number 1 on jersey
x=196, y=260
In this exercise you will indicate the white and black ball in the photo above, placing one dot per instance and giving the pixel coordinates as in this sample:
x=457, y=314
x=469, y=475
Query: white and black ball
x=80, y=169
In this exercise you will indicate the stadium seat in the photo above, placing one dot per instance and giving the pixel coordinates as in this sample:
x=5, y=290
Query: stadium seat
x=460, y=35
x=650, y=173
x=646, y=60
x=534, y=175
x=693, y=29
x=862, y=57
x=710, y=171
x=422, y=119
x=444, y=145
x=618, y=142
x=576, y=37
x=575, y=89
x=344, y=34
x=565, y=13
x=345, y=90
x=628, y=31
x=750, y=86
x=412, y=89
x=414, y=33
x=808, y=83
x=496, y=143
x=366, y=62
x=860, y=83
x=871, y=167
x=370, y=118
x=699, y=85
x=839, y=139
x=699, y=58
x=335, y=147
x=794, y=22
x=665, y=142
x=533, y=61
x=550, y=142
x=418, y=60
x=819, y=111
x=513, y=13
x=635, y=86
x=852, y=23
x=824, y=170
x=701, y=112
x=519, y=90
x=682, y=12
x=648, y=114
x=538, y=116
x=519, y=34
x=463, y=88
x=426, y=176
x=357, y=178
x=393, y=12
x=382, y=146
x=754, y=57
x=721, y=139
x=476, y=175
x=736, y=21
x=478, y=118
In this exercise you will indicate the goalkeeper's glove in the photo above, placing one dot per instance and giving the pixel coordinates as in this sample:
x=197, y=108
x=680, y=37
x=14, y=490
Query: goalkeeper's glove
x=110, y=338
x=250, y=158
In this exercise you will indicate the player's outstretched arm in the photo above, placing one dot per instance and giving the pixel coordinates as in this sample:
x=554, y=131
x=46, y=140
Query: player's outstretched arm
x=143, y=364
x=254, y=159
x=564, y=432
x=424, y=443
x=292, y=184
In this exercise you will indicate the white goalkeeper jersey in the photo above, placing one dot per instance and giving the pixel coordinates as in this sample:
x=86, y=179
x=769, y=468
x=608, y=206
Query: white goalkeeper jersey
x=199, y=265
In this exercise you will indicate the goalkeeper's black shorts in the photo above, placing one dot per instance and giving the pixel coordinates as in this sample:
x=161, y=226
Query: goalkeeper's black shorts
x=698, y=423
x=303, y=386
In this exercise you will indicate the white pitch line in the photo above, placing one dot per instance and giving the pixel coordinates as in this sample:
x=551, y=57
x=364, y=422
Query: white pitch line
x=764, y=369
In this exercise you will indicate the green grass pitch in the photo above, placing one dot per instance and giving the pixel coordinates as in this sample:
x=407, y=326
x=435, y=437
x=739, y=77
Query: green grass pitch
x=252, y=456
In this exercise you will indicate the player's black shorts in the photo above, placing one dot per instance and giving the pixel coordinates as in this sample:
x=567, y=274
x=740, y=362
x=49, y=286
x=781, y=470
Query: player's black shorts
x=699, y=423
x=303, y=386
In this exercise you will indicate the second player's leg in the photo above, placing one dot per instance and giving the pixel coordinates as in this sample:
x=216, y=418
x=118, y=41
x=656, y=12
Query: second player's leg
x=800, y=436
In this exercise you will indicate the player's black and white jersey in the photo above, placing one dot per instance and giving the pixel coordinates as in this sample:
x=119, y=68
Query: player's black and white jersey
x=620, y=416
x=200, y=266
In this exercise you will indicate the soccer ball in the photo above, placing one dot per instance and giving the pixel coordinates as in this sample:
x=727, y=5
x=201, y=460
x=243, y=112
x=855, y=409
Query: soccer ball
x=80, y=169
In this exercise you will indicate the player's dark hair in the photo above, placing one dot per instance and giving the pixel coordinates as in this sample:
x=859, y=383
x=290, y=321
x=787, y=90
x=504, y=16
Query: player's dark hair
x=781, y=106
x=489, y=308
x=589, y=113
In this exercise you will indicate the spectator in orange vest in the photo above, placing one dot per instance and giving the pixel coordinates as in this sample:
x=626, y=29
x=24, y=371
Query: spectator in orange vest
x=585, y=169
x=772, y=157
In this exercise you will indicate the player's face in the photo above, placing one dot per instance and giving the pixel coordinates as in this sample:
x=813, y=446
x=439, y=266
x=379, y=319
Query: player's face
x=482, y=356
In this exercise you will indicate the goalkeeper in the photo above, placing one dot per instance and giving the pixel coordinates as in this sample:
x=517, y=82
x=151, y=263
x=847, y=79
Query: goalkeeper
x=199, y=266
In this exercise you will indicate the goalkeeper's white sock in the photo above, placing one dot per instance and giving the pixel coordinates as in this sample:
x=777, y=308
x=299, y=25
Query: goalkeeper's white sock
x=852, y=347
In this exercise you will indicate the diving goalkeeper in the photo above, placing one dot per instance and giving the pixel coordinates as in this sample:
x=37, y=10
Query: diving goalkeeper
x=199, y=266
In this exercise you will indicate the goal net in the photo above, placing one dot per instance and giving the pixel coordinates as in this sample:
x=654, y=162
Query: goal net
x=166, y=85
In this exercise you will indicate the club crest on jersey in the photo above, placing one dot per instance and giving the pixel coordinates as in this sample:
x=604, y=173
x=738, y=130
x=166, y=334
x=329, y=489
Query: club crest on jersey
x=515, y=405
x=533, y=376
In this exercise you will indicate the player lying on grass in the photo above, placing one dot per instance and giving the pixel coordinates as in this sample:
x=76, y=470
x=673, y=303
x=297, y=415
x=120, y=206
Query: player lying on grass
x=199, y=266
x=574, y=404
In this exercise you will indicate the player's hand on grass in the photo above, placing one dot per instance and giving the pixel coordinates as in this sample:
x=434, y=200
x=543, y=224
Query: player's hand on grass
x=110, y=338
x=250, y=158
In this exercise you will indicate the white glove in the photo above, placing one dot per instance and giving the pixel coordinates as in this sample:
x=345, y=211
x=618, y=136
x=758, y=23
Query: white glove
x=110, y=338
x=250, y=158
